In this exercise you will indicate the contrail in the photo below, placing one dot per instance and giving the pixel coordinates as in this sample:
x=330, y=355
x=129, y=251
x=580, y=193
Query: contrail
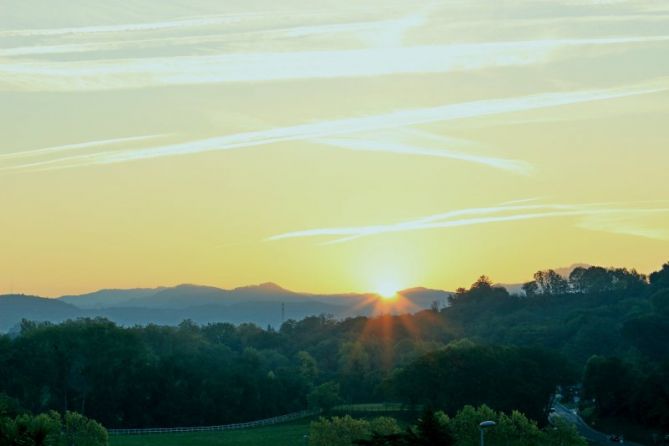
x=77, y=146
x=372, y=145
x=475, y=216
x=377, y=33
x=393, y=120
x=130, y=27
x=277, y=66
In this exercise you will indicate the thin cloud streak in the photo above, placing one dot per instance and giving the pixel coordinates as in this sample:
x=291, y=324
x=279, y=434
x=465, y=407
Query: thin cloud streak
x=623, y=225
x=370, y=145
x=407, y=225
x=130, y=27
x=479, y=216
x=78, y=146
x=402, y=118
x=382, y=33
x=410, y=20
x=279, y=66
x=54, y=164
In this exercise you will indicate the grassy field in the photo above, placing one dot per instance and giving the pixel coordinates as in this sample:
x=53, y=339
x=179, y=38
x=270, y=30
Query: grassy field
x=288, y=434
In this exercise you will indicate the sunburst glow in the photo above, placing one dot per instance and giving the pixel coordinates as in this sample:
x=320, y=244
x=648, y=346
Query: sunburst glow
x=387, y=290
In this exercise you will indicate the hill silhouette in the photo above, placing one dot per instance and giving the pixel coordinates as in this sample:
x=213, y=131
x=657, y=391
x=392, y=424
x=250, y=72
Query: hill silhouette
x=266, y=304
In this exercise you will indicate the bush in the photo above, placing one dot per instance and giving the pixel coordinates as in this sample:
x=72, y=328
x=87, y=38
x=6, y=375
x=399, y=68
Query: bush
x=337, y=431
x=80, y=431
x=49, y=429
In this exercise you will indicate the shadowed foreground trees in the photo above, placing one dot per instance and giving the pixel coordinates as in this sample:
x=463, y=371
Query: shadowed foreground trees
x=344, y=431
x=619, y=389
x=436, y=428
x=506, y=378
x=50, y=429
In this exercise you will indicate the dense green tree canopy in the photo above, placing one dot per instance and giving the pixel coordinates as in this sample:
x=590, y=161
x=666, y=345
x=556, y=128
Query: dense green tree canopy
x=506, y=378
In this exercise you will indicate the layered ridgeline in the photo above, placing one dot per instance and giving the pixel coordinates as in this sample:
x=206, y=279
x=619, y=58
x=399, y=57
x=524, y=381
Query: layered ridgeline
x=265, y=304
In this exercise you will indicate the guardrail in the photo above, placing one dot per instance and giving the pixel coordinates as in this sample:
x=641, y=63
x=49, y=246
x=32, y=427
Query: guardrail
x=223, y=427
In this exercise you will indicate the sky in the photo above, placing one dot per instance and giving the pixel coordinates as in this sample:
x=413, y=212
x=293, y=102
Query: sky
x=329, y=146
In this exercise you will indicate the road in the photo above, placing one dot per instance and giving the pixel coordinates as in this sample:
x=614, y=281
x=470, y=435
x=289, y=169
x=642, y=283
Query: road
x=586, y=431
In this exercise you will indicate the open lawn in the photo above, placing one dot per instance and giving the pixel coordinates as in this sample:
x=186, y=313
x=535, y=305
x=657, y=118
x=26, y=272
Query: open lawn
x=288, y=434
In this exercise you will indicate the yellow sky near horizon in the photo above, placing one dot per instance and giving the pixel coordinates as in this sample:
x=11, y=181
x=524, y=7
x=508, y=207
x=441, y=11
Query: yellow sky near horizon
x=329, y=146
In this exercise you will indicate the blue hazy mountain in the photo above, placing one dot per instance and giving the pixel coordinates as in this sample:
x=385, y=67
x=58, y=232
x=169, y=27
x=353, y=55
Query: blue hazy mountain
x=15, y=307
x=108, y=298
x=264, y=304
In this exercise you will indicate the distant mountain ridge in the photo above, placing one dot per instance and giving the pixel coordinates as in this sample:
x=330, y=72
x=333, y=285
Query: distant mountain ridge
x=15, y=307
x=108, y=297
x=264, y=304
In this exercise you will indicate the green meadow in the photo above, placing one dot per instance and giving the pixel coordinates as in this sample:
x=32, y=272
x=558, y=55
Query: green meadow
x=289, y=434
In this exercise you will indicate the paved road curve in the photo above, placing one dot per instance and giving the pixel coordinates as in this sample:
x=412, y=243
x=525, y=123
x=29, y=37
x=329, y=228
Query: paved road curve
x=586, y=431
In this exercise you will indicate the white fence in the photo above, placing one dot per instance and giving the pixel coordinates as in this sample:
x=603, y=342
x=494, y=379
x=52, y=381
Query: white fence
x=224, y=427
x=374, y=407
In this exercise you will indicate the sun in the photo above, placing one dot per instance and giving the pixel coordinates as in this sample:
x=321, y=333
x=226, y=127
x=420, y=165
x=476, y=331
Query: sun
x=387, y=290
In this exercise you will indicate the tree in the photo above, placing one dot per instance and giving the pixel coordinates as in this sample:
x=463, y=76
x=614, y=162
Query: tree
x=596, y=279
x=307, y=367
x=384, y=426
x=610, y=382
x=49, y=429
x=324, y=397
x=507, y=378
x=432, y=429
x=337, y=431
x=561, y=433
x=660, y=279
x=512, y=430
x=78, y=430
x=550, y=283
x=660, y=301
x=346, y=431
x=465, y=423
x=651, y=404
x=531, y=288
x=650, y=334
x=483, y=283
x=9, y=407
x=354, y=370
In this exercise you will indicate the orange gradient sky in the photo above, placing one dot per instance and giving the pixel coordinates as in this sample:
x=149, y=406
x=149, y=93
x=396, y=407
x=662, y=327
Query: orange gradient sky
x=329, y=146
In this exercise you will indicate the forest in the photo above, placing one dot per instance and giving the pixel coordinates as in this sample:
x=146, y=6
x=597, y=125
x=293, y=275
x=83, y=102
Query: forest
x=601, y=334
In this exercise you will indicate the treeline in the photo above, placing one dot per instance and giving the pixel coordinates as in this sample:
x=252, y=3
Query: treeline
x=152, y=376
x=190, y=375
x=611, y=323
x=206, y=375
x=220, y=373
x=609, y=312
